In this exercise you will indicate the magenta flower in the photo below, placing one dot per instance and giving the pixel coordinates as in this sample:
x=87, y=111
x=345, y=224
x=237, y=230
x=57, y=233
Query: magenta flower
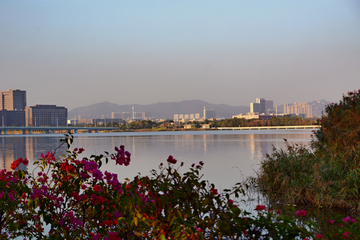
x=301, y=213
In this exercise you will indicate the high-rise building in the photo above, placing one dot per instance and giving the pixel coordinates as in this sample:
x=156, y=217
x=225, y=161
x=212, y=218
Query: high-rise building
x=261, y=106
x=298, y=108
x=209, y=113
x=116, y=115
x=255, y=107
x=269, y=106
x=262, y=103
x=12, y=106
x=45, y=115
x=13, y=100
x=126, y=115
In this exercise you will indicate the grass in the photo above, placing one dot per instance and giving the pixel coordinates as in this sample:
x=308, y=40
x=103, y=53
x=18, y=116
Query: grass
x=297, y=175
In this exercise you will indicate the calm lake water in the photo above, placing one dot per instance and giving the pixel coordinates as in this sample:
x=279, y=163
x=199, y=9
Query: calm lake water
x=229, y=156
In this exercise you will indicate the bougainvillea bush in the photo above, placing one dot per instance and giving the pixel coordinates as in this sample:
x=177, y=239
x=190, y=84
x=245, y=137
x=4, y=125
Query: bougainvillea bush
x=71, y=198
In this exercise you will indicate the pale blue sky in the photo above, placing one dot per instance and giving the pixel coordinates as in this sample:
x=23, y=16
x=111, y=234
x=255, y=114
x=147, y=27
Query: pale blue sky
x=76, y=53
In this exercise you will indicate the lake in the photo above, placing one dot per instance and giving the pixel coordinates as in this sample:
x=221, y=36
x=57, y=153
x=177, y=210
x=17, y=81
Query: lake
x=229, y=156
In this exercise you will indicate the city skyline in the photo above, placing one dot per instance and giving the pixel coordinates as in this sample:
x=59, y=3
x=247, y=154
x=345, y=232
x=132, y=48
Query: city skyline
x=77, y=53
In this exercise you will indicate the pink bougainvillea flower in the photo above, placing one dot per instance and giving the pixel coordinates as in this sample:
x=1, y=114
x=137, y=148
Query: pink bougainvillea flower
x=301, y=213
x=319, y=236
x=347, y=219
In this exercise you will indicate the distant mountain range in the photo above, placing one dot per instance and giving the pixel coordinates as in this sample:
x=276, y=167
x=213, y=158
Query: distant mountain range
x=166, y=110
x=161, y=110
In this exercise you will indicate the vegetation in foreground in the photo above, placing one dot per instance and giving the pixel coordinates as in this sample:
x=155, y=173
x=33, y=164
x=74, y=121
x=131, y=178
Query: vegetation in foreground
x=326, y=174
x=72, y=198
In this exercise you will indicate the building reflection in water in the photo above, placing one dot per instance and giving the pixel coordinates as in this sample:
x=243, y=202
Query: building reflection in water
x=12, y=148
x=228, y=157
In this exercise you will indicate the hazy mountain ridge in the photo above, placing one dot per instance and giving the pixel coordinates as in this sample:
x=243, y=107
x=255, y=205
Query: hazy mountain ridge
x=166, y=110
x=158, y=110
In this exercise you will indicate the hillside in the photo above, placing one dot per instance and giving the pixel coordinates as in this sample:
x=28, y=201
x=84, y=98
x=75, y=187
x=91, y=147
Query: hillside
x=158, y=110
x=166, y=110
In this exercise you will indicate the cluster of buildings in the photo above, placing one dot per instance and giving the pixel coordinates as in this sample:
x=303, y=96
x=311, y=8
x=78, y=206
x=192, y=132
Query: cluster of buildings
x=299, y=109
x=207, y=114
x=264, y=109
x=132, y=115
x=14, y=112
x=116, y=117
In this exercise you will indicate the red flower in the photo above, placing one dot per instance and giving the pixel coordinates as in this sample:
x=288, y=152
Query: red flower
x=67, y=167
x=318, y=236
x=14, y=165
x=25, y=161
x=171, y=159
x=17, y=162
x=260, y=207
x=214, y=191
x=97, y=188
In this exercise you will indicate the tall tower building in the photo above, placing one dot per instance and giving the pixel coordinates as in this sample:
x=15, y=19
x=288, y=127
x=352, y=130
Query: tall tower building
x=209, y=113
x=262, y=103
x=261, y=106
x=255, y=107
x=13, y=100
x=269, y=106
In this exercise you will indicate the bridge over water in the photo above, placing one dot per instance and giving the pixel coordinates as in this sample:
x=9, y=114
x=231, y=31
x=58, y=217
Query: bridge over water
x=31, y=130
x=270, y=127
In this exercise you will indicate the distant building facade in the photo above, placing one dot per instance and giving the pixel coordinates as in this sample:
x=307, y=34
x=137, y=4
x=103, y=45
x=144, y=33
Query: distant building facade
x=262, y=106
x=12, y=118
x=116, y=115
x=45, y=115
x=186, y=117
x=209, y=113
x=126, y=115
x=251, y=115
x=300, y=109
x=12, y=106
x=13, y=100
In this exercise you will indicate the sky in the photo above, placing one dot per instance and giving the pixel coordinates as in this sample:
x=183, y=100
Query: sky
x=77, y=53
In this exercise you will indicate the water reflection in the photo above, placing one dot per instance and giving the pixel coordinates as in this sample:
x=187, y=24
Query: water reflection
x=12, y=149
x=228, y=157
